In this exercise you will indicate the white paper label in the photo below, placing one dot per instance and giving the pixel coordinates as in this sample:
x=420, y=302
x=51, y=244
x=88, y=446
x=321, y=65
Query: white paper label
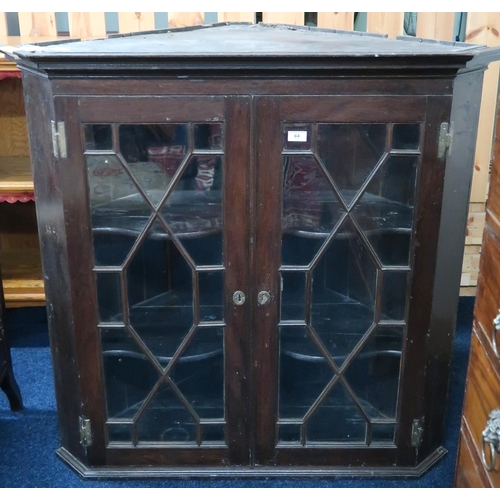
x=297, y=136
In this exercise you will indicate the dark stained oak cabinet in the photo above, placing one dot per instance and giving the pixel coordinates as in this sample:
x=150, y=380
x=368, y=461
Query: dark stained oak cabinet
x=252, y=240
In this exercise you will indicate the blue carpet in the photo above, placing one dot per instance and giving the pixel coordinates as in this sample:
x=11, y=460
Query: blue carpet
x=28, y=439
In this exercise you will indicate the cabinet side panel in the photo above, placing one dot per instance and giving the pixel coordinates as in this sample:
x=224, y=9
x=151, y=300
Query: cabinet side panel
x=464, y=116
x=81, y=287
x=52, y=233
x=430, y=191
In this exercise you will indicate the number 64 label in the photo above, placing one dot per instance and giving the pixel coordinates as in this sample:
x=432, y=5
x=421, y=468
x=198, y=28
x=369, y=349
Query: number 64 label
x=297, y=136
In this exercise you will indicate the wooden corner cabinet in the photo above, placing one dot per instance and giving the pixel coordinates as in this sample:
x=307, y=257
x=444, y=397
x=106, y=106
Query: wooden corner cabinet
x=252, y=240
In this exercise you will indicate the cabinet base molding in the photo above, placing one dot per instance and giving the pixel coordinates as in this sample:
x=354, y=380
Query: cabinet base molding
x=245, y=471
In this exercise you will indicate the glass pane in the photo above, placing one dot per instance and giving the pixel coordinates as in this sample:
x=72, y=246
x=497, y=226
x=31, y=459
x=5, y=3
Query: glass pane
x=208, y=136
x=394, y=295
x=153, y=154
x=118, y=212
x=296, y=137
x=166, y=419
x=309, y=202
x=350, y=152
x=406, y=136
x=383, y=433
x=109, y=298
x=129, y=376
x=344, y=291
x=311, y=209
x=304, y=372
x=160, y=294
x=165, y=144
x=337, y=419
x=289, y=432
x=199, y=373
x=193, y=210
x=374, y=373
x=385, y=211
x=120, y=432
x=213, y=432
x=293, y=289
x=211, y=295
x=98, y=137
x=297, y=250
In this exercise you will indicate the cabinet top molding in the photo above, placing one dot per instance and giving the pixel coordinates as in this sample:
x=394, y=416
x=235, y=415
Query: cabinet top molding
x=273, y=47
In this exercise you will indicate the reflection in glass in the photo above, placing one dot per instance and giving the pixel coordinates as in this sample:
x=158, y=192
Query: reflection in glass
x=344, y=290
x=310, y=208
x=208, y=136
x=153, y=154
x=193, y=209
x=118, y=212
x=289, y=432
x=337, y=419
x=160, y=294
x=383, y=433
x=304, y=372
x=309, y=202
x=109, y=298
x=98, y=137
x=293, y=289
x=129, y=376
x=165, y=144
x=385, y=211
x=405, y=136
x=394, y=295
x=342, y=344
x=166, y=419
x=120, y=432
x=350, y=152
x=211, y=286
x=154, y=171
x=213, y=432
x=199, y=373
x=374, y=373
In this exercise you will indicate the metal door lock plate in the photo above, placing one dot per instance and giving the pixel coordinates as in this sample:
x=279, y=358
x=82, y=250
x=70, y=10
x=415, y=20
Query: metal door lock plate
x=239, y=298
x=264, y=298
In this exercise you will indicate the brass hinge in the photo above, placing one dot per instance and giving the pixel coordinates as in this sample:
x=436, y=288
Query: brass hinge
x=59, y=139
x=445, y=139
x=417, y=432
x=85, y=432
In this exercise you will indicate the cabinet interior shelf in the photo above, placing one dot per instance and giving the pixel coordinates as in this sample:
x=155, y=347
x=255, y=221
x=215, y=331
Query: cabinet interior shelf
x=22, y=278
x=15, y=174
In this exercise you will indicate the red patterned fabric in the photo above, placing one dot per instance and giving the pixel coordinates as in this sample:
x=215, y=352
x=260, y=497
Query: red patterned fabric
x=14, y=197
x=9, y=74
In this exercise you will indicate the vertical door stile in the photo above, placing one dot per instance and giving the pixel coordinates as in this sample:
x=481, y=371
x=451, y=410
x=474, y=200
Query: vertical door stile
x=267, y=261
x=237, y=261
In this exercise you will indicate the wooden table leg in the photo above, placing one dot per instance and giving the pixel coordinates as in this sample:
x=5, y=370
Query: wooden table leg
x=7, y=381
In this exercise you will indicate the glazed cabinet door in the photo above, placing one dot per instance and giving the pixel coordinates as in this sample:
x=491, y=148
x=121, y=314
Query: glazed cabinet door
x=161, y=275
x=337, y=202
